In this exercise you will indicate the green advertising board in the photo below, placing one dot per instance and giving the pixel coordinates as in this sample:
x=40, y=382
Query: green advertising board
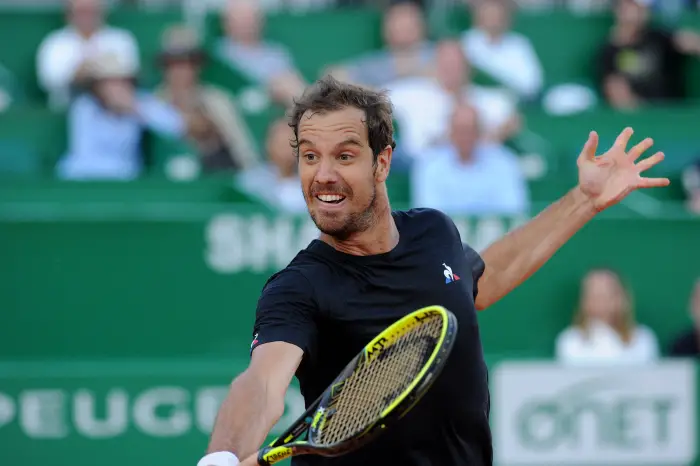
x=175, y=280
x=145, y=412
x=116, y=412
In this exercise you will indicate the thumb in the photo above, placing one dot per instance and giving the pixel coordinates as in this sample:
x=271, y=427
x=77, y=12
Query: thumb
x=589, y=149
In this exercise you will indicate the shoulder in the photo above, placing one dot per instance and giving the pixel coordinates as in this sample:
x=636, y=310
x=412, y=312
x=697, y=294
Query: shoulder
x=472, y=37
x=83, y=103
x=431, y=222
x=212, y=90
x=57, y=37
x=434, y=159
x=425, y=216
x=568, y=338
x=304, y=273
x=500, y=155
x=660, y=34
x=114, y=33
x=644, y=334
x=515, y=39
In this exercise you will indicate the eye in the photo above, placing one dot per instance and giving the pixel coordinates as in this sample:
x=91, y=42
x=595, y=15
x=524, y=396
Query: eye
x=309, y=157
x=345, y=157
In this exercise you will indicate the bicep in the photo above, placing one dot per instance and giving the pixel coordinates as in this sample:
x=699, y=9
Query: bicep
x=276, y=363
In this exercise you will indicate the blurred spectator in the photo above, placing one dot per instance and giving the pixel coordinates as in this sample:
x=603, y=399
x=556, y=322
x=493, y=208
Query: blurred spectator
x=642, y=63
x=261, y=61
x=688, y=343
x=468, y=175
x=604, y=329
x=63, y=54
x=107, y=122
x=691, y=185
x=276, y=183
x=423, y=105
x=214, y=124
x=507, y=56
x=407, y=52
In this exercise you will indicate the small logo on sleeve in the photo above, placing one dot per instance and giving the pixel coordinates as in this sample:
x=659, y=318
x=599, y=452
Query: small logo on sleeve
x=449, y=275
x=255, y=342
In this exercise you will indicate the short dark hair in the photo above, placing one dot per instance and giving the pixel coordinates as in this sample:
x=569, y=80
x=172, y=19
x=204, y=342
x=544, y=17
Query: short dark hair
x=328, y=94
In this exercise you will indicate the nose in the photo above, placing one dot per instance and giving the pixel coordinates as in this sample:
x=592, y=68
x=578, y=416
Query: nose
x=326, y=173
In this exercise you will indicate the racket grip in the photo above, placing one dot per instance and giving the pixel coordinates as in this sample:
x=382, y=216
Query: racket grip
x=271, y=455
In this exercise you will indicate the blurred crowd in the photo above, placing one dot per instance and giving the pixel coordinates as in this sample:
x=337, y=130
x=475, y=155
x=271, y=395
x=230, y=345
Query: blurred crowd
x=450, y=128
x=604, y=329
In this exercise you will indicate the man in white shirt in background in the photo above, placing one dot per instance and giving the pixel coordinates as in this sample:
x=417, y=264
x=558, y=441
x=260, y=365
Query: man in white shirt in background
x=62, y=55
x=245, y=48
x=506, y=56
x=469, y=175
x=423, y=105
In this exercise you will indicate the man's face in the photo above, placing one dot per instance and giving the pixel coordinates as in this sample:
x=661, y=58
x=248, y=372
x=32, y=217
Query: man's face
x=279, y=149
x=630, y=12
x=338, y=175
x=464, y=129
x=452, y=66
x=403, y=27
x=243, y=22
x=181, y=72
x=85, y=15
x=493, y=17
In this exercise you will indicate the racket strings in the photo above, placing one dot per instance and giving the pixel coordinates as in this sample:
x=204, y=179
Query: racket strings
x=373, y=386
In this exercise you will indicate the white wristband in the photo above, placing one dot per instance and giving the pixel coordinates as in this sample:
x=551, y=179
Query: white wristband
x=220, y=458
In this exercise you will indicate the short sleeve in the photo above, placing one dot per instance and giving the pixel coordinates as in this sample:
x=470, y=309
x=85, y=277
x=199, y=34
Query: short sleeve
x=286, y=312
x=478, y=266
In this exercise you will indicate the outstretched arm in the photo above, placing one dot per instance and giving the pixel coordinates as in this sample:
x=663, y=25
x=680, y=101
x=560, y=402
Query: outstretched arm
x=603, y=181
x=254, y=404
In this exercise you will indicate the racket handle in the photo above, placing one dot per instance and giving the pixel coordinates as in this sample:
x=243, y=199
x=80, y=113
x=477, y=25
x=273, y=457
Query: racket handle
x=271, y=455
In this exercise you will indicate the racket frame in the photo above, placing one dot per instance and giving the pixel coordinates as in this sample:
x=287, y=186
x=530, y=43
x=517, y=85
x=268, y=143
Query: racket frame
x=311, y=422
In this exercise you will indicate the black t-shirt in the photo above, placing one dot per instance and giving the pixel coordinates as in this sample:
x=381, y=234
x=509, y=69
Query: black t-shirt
x=653, y=65
x=686, y=345
x=331, y=304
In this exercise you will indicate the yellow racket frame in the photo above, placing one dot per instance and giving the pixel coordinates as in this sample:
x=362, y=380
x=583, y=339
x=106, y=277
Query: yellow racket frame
x=312, y=421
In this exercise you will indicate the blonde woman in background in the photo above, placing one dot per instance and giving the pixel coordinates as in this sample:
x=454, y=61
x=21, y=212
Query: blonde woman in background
x=604, y=330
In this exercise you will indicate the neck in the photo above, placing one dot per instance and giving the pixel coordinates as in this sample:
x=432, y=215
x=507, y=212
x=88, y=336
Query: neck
x=625, y=33
x=494, y=36
x=86, y=34
x=465, y=155
x=380, y=238
x=248, y=41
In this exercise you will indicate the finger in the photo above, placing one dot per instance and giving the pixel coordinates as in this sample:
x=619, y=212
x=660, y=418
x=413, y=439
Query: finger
x=647, y=163
x=640, y=148
x=624, y=138
x=653, y=182
x=590, y=148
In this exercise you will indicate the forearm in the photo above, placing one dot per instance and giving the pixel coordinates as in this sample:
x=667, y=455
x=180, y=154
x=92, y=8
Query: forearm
x=246, y=417
x=515, y=257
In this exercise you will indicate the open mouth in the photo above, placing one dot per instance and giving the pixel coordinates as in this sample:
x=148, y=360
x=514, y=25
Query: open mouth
x=330, y=198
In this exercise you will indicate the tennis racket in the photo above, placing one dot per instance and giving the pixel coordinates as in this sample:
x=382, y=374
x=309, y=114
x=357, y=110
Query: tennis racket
x=378, y=387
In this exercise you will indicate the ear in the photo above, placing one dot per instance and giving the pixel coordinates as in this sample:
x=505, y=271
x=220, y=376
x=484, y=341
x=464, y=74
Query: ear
x=381, y=171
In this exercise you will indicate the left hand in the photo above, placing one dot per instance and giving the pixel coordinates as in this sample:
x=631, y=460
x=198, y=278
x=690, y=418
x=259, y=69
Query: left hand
x=608, y=178
x=252, y=460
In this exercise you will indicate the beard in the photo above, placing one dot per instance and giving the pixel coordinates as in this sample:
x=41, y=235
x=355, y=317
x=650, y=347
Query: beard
x=346, y=224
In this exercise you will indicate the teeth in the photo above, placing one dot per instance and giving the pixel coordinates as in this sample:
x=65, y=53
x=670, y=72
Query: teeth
x=330, y=197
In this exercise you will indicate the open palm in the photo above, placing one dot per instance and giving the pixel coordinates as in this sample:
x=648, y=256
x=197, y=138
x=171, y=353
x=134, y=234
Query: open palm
x=608, y=178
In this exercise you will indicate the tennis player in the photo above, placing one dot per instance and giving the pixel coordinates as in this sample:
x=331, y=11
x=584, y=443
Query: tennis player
x=371, y=266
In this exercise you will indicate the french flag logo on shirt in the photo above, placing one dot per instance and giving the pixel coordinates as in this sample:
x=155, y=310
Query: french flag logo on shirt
x=449, y=276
